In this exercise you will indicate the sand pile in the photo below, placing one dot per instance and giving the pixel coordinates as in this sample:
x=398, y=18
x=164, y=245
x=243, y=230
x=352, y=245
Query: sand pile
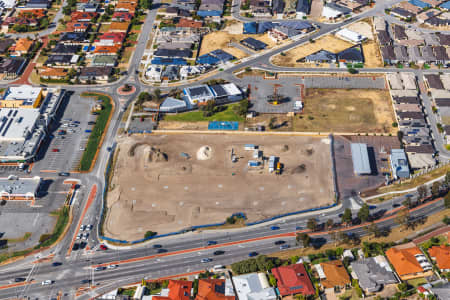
x=204, y=153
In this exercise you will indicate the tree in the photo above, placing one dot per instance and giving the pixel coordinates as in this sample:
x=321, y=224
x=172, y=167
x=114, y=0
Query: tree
x=446, y=220
x=272, y=280
x=149, y=234
x=330, y=223
x=157, y=94
x=447, y=178
x=373, y=229
x=435, y=188
x=334, y=235
x=422, y=191
x=347, y=216
x=312, y=224
x=407, y=202
x=352, y=71
x=242, y=108
x=364, y=213
x=304, y=238
x=447, y=200
x=403, y=287
x=402, y=218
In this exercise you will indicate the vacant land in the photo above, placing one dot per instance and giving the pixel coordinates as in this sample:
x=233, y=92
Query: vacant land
x=328, y=42
x=221, y=40
x=158, y=188
x=346, y=110
x=372, y=55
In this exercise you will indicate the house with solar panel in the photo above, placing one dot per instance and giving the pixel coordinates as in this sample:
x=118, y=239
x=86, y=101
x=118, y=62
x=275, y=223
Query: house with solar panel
x=215, y=57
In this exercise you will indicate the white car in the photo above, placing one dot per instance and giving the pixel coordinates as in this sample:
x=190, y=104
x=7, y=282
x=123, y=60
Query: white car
x=78, y=236
x=89, y=227
x=46, y=282
x=112, y=266
x=83, y=227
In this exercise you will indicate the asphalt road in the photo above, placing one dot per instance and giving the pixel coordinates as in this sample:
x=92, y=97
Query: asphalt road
x=77, y=266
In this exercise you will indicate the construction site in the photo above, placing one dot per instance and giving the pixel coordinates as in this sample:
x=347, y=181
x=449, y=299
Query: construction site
x=171, y=182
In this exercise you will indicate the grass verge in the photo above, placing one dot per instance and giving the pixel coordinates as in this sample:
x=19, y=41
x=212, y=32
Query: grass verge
x=95, y=138
x=61, y=223
x=196, y=116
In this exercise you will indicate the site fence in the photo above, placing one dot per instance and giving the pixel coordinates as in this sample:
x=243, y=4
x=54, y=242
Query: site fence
x=333, y=168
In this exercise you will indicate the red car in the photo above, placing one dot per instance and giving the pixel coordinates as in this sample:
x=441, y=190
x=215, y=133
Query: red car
x=103, y=247
x=55, y=150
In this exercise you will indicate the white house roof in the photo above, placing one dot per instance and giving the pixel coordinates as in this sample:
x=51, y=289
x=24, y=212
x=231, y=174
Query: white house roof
x=253, y=286
x=351, y=35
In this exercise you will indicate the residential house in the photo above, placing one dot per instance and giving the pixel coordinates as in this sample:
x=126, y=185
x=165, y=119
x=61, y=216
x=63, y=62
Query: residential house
x=119, y=26
x=170, y=73
x=87, y=7
x=253, y=44
x=441, y=55
x=401, y=54
x=384, y=38
x=351, y=36
x=188, y=71
x=74, y=38
x=214, y=57
x=351, y=55
x=53, y=73
x=215, y=289
x=334, y=11
x=333, y=275
x=402, y=13
x=111, y=39
x=153, y=73
x=210, y=8
x=12, y=67
x=126, y=7
x=104, y=61
x=444, y=39
x=428, y=54
x=173, y=53
x=414, y=55
x=97, y=74
x=176, y=290
x=122, y=16
x=76, y=26
x=175, y=45
x=399, y=32
x=278, y=8
x=408, y=260
x=373, y=274
x=433, y=81
x=81, y=16
x=22, y=47
x=303, y=8
x=442, y=292
x=289, y=30
x=409, y=7
x=260, y=8
x=43, y=4
x=388, y=54
x=57, y=60
x=63, y=49
x=107, y=50
x=292, y=280
x=321, y=56
x=253, y=286
x=441, y=256
x=185, y=23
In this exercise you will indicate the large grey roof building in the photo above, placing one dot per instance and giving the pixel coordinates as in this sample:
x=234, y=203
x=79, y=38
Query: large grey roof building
x=360, y=158
x=399, y=164
x=373, y=273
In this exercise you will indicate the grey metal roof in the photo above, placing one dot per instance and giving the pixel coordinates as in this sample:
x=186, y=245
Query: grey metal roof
x=360, y=158
x=254, y=43
x=321, y=56
x=173, y=53
x=170, y=104
x=434, y=81
x=303, y=6
x=352, y=54
x=373, y=273
x=399, y=163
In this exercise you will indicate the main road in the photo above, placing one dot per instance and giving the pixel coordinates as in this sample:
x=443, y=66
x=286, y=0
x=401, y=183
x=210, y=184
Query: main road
x=184, y=252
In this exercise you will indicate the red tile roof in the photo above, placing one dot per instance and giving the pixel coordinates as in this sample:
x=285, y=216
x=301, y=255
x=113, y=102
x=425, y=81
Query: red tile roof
x=403, y=260
x=116, y=37
x=293, y=279
x=80, y=15
x=178, y=290
x=212, y=289
x=442, y=256
x=122, y=15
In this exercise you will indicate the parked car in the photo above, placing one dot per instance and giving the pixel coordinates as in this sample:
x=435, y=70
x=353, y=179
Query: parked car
x=55, y=150
x=56, y=263
x=46, y=282
x=75, y=247
x=65, y=174
x=210, y=243
x=82, y=227
x=274, y=227
x=91, y=123
x=112, y=266
x=219, y=252
x=157, y=246
x=103, y=247
x=280, y=242
x=161, y=250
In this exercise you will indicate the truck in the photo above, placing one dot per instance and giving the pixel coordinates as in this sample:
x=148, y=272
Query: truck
x=278, y=171
x=272, y=163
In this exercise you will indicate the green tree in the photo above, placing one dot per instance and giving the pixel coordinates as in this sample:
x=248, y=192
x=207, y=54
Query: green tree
x=446, y=220
x=447, y=178
x=435, y=188
x=304, y=238
x=364, y=213
x=373, y=229
x=347, y=216
x=422, y=191
x=272, y=280
x=403, y=287
x=447, y=200
x=157, y=95
x=311, y=224
x=150, y=234
x=407, y=202
x=330, y=223
x=242, y=108
x=402, y=217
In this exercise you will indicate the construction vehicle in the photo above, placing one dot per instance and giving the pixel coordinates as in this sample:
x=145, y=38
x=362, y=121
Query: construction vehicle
x=278, y=171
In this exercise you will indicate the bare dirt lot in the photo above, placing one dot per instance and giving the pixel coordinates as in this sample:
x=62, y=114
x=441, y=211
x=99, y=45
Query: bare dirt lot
x=346, y=110
x=159, y=189
x=222, y=39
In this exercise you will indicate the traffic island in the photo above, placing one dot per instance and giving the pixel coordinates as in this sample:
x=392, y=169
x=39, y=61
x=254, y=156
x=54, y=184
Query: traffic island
x=126, y=90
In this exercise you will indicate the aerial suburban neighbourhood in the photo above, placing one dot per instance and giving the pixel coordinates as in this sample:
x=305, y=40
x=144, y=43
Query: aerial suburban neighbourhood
x=225, y=149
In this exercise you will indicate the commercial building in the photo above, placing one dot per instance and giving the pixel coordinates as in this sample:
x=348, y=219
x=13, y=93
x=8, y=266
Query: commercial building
x=253, y=286
x=226, y=92
x=15, y=188
x=172, y=105
x=360, y=158
x=399, y=164
x=293, y=279
x=24, y=96
x=409, y=262
x=199, y=94
x=373, y=273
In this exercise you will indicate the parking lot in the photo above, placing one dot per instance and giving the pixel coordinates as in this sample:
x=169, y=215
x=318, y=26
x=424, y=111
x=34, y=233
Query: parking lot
x=68, y=136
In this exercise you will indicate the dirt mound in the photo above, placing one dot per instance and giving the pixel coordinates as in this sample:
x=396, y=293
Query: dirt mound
x=299, y=169
x=204, y=153
x=155, y=155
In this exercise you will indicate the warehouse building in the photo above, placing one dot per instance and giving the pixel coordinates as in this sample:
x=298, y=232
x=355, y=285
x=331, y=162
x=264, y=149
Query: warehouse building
x=15, y=188
x=226, y=92
x=399, y=164
x=360, y=158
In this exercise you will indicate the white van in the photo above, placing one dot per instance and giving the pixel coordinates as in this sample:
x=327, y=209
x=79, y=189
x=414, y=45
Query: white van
x=218, y=268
